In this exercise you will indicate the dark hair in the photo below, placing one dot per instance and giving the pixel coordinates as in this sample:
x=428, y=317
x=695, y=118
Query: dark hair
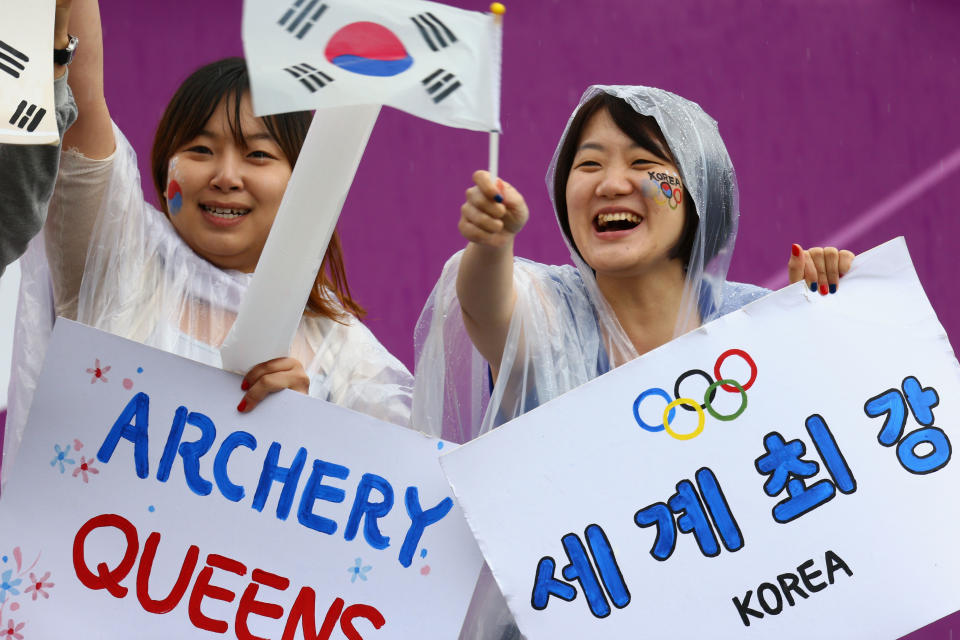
x=226, y=82
x=643, y=130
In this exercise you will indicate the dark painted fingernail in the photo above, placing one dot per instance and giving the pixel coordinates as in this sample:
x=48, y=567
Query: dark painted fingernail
x=813, y=287
x=244, y=385
x=823, y=289
x=833, y=288
x=498, y=198
x=795, y=250
x=841, y=275
x=242, y=405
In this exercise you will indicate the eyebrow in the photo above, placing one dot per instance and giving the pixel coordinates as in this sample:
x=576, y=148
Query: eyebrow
x=259, y=136
x=596, y=146
x=263, y=135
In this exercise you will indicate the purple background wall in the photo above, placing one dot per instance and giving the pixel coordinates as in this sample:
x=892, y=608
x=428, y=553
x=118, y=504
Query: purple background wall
x=835, y=113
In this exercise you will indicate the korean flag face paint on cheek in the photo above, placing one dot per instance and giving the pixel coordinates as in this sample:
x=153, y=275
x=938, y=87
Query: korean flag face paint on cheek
x=174, y=194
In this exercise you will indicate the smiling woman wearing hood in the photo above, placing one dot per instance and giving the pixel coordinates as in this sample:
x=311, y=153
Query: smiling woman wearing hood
x=646, y=199
x=562, y=330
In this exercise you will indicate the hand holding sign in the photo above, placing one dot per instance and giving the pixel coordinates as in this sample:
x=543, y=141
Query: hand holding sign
x=820, y=267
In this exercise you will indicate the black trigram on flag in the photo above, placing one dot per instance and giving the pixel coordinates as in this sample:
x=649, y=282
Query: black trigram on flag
x=437, y=35
x=11, y=60
x=440, y=84
x=301, y=16
x=309, y=77
x=26, y=110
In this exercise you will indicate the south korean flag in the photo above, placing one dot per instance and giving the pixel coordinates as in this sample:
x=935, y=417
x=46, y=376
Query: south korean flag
x=26, y=73
x=428, y=59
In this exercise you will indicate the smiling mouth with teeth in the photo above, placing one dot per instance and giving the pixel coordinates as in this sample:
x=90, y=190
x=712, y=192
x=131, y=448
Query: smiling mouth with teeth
x=225, y=213
x=619, y=221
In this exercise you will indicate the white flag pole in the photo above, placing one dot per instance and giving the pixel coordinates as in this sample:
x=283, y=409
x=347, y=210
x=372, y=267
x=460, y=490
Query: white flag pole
x=274, y=301
x=497, y=9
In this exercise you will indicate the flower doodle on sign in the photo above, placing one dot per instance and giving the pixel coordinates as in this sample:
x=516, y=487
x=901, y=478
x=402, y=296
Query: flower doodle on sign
x=61, y=457
x=85, y=469
x=8, y=585
x=359, y=570
x=98, y=372
x=13, y=630
x=39, y=586
x=689, y=404
x=14, y=586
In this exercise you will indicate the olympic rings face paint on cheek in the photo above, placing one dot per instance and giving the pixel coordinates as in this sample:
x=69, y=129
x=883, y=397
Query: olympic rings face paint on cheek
x=727, y=384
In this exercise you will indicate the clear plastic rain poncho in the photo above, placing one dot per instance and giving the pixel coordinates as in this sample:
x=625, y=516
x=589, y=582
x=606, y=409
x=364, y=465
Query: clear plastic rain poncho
x=570, y=333
x=142, y=282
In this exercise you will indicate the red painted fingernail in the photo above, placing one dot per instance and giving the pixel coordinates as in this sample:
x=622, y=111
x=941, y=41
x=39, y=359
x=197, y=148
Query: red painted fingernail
x=242, y=405
x=499, y=197
x=841, y=275
x=795, y=250
x=823, y=289
x=244, y=385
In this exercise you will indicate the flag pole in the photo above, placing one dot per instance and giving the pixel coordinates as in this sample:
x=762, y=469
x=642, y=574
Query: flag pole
x=497, y=9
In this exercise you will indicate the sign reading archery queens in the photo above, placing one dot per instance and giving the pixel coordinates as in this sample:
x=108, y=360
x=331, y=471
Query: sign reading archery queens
x=782, y=472
x=143, y=505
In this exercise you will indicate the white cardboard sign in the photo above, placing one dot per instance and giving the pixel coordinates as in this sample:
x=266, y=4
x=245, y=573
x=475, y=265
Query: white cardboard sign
x=143, y=505
x=825, y=509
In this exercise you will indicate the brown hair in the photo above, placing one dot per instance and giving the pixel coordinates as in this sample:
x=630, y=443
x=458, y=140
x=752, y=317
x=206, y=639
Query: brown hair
x=226, y=82
x=643, y=130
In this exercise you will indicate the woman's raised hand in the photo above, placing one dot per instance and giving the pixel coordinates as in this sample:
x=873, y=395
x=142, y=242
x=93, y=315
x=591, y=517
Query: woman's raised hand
x=269, y=377
x=821, y=267
x=493, y=213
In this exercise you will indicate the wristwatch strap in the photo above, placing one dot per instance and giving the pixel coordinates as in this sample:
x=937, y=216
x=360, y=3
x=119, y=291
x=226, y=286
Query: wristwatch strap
x=65, y=56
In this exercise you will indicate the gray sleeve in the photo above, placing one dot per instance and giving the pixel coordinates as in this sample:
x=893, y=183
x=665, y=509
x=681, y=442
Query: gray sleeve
x=27, y=176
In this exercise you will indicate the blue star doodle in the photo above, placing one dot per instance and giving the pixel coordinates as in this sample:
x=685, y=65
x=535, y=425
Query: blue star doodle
x=359, y=570
x=61, y=457
x=8, y=585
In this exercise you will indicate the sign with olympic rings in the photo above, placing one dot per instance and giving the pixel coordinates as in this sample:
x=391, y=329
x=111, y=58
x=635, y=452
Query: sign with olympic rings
x=689, y=404
x=787, y=519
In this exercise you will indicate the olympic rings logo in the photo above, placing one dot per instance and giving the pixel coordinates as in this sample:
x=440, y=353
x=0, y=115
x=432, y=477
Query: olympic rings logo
x=727, y=384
